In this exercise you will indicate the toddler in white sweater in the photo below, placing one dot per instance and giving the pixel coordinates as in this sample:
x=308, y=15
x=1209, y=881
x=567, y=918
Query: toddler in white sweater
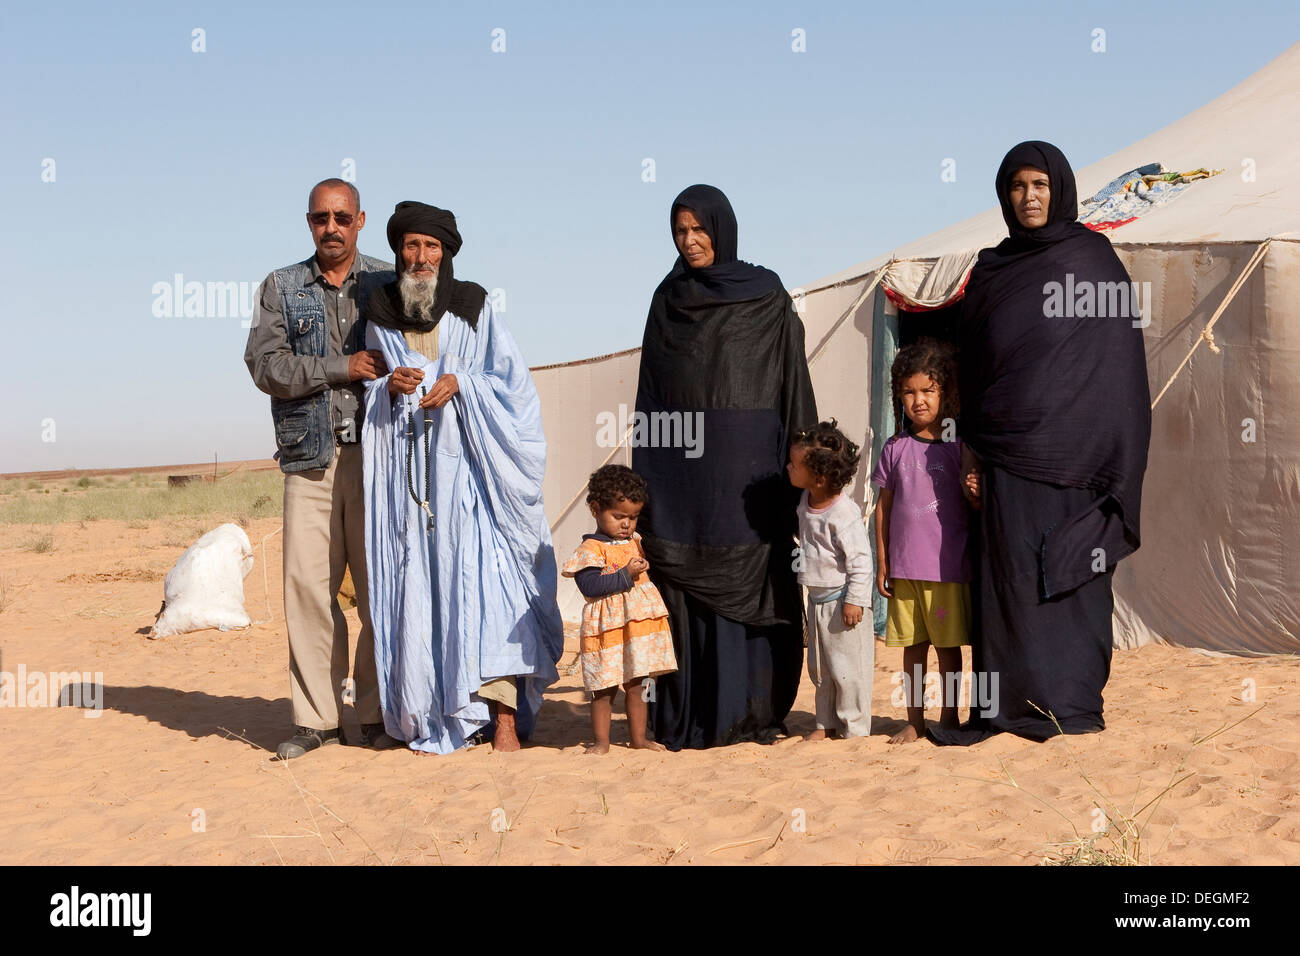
x=834, y=564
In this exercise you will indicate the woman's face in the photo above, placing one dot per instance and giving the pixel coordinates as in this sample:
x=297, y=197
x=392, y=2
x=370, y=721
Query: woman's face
x=692, y=241
x=1030, y=195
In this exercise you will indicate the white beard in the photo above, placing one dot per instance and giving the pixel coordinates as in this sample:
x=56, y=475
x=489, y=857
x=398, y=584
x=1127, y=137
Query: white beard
x=418, y=295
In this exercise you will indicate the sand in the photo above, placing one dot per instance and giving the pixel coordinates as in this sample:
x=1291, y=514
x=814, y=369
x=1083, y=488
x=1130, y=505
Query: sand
x=178, y=767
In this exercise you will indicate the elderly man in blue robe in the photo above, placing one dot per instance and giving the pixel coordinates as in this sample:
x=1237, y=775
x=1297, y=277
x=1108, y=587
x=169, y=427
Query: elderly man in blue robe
x=462, y=570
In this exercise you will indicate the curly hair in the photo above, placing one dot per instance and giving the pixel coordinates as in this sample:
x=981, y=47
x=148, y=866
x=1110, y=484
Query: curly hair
x=933, y=358
x=610, y=483
x=830, y=454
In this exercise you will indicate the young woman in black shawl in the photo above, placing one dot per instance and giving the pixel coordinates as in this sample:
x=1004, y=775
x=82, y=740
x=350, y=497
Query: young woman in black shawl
x=723, y=343
x=1056, y=410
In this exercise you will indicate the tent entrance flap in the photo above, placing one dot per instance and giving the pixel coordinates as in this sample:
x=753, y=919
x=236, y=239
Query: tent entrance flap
x=920, y=285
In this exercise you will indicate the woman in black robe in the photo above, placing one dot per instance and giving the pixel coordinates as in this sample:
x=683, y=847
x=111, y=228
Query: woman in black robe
x=722, y=344
x=1056, y=409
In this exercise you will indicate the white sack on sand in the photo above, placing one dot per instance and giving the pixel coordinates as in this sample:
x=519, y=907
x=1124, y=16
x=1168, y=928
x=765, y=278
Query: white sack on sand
x=206, y=587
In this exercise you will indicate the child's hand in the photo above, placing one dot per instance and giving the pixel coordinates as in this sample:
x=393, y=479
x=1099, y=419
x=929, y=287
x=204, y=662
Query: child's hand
x=970, y=469
x=971, y=488
x=882, y=580
x=637, y=566
x=852, y=615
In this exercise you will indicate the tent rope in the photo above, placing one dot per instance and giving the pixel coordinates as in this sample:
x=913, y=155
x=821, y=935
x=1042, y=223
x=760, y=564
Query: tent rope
x=1207, y=333
x=581, y=491
x=852, y=310
x=880, y=274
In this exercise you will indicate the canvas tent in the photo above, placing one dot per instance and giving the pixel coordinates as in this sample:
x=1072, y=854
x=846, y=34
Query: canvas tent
x=1220, y=564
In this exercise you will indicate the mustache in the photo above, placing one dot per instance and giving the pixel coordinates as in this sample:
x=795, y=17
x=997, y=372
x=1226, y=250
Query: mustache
x=331, y=237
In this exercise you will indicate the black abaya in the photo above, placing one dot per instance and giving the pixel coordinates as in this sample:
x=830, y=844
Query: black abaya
x=1051, y=655
x=1057, y=408
x=724, y=343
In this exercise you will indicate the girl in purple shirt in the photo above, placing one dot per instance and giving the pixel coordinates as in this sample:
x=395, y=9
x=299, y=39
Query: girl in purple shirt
x=921, y=532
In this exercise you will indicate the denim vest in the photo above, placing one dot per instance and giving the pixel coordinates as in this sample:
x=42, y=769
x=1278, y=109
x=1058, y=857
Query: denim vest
x=303, y=429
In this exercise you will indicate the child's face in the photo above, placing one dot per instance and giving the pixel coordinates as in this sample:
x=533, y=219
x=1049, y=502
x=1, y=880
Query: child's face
x=801, y=476
x=921, y=397
x=618, y=520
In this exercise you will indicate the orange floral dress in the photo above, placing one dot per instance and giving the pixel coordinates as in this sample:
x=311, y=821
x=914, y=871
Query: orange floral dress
x=625, y=636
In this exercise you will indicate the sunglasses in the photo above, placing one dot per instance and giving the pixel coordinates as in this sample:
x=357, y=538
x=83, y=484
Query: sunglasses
x=344, y=219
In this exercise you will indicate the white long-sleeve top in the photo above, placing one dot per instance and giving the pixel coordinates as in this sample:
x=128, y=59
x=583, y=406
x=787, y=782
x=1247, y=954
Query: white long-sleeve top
x=834, y=548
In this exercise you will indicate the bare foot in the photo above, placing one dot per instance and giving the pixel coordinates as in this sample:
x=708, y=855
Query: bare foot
x=818, y=734
x=597, y=748
x=645, y=745
x=905, y=736
x=506, y=740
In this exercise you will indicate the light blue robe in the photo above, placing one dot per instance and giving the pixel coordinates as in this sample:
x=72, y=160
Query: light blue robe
x=475, y=600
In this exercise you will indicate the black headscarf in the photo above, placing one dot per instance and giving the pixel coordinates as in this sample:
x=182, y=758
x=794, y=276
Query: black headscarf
x=1063, y=207
x=1056, y=399
x=728, y=279
x=724, y=341
x=462, y=299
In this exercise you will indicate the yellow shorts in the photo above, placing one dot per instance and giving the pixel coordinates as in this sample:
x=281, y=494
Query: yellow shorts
x=933, y=611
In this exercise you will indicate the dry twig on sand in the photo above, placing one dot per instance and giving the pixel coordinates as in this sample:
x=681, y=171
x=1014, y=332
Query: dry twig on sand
x=1124, y=833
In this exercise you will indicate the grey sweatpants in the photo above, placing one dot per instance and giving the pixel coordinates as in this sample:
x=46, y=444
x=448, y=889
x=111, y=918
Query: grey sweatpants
x=841, y=665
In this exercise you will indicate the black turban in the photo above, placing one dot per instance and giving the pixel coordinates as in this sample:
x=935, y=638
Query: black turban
x=426, y=220
x=462, y=299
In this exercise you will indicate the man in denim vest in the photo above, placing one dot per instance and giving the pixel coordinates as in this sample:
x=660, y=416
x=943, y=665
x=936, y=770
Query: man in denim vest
x=305, y=350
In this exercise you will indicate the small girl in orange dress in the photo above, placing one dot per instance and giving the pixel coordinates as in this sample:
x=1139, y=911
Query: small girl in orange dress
x=625, y=635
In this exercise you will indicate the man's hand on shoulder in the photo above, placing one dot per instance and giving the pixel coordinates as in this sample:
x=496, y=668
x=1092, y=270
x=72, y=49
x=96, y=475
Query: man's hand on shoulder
x=442, y=391
x=368, y=365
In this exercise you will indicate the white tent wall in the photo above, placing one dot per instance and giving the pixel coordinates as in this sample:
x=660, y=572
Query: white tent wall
x=572, y=396
x=839, y=345
x=1221, y=504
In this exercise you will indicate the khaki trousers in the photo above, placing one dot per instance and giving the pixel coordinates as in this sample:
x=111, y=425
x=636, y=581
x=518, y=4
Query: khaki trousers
x=324, y=532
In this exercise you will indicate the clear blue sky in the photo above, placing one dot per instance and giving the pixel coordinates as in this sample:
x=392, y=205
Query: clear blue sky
x=170, y=161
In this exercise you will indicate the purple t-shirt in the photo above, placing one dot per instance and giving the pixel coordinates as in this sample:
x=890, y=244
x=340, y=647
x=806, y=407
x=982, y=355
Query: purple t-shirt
x=927, y=523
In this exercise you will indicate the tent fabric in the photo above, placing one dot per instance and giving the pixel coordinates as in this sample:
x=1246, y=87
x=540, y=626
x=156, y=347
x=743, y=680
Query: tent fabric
x=919, y=285
x=1135, y=194
x=1221, y=510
